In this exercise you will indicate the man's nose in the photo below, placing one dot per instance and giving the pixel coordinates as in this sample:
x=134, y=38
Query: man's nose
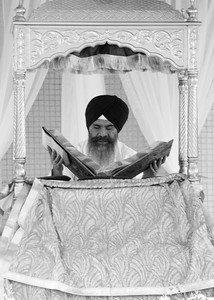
x=103, y=132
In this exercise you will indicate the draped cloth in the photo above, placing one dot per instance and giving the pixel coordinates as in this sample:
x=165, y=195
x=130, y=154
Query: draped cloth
x=109, y=238
x=206, y=62
x=34, y=81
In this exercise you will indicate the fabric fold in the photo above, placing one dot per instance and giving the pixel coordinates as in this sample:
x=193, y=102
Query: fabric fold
x=138, y=238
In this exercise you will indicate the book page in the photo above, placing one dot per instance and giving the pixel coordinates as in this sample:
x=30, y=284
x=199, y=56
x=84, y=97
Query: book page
x=48, y=141
x=139, y=162
x=79, y=164
x=84, y=167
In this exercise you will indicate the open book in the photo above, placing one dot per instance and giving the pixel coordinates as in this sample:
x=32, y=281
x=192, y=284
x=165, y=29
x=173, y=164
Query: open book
x=84, y=167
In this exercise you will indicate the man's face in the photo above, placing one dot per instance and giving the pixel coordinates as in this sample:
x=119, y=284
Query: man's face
x=102, y=139
x=102, y=133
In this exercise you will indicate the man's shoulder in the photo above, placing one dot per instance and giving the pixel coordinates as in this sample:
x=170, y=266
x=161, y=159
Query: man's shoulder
x=82, y=146
x=122, y=145
x=125, y=150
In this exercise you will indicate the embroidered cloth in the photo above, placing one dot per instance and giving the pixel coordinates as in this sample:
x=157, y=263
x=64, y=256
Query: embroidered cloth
x=110, y=238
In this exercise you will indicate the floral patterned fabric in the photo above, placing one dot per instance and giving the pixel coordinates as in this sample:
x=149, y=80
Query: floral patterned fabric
x=127, y=239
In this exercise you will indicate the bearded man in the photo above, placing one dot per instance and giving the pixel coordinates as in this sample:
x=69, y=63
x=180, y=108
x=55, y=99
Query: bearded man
x=105, y=117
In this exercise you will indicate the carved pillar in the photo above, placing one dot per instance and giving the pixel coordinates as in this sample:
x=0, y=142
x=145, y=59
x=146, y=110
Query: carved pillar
x=192, y=104
x=192, y=97
x=192, y=127
x=19, y=74
x=183, y=119
x=19, y=145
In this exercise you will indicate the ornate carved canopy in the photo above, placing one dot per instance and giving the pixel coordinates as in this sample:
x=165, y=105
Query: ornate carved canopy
x=105, y=11
x=59, y=29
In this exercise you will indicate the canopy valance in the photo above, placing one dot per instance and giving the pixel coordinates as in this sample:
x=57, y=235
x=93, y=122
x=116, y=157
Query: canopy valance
x=108, y=58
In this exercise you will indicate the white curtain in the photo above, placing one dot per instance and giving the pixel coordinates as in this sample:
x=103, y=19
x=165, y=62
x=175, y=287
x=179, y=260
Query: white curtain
x=77, y=91
x=34, y=82
x=153, y=98
x=206, y=61
x=34, y=79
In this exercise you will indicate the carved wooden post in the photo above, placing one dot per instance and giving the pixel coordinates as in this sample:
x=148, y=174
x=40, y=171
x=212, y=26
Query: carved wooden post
x=19, y=144
x=192, y=105
x=19, y=147
x=192, y=127
x=183, y=114
x=192, y=95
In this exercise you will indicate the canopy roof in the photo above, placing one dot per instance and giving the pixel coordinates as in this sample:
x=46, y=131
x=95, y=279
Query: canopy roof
x=105, y=11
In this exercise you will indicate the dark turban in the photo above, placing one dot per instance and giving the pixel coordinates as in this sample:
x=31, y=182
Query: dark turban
x=112, y=108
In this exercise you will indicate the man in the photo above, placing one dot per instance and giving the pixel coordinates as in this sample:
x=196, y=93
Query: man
x=105, y=117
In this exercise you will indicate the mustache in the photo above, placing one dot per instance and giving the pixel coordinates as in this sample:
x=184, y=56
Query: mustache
x=102, y=139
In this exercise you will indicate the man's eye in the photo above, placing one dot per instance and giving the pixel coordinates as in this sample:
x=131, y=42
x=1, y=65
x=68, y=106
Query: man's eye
x=109, y=127
x=96, y=126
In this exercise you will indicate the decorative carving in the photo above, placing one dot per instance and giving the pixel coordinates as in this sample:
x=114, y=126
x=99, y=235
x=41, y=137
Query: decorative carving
x=105, y=11
x=20, y=11
x=192, y=46
x=192, y=12
x=19, y=48
x=192, y=127
x=184, y=14
x=192, y=104
x=164, y=41
x=193, y=169
x=19, y=144
x=8, y=289
x=183, y=115
x=20, y=172
x=47, y=44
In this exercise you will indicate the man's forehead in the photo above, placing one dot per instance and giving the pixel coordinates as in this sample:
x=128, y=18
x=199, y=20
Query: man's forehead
x=102, y=122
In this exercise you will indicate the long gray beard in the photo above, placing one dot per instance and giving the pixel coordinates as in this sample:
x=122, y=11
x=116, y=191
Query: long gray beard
x=101, y=154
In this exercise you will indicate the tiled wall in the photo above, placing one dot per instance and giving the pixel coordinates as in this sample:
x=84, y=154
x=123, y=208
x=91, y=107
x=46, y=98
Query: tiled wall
x=206, y=159
x=46, y=111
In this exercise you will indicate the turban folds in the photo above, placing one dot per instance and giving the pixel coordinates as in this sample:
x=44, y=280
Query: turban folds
x=112, y=108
